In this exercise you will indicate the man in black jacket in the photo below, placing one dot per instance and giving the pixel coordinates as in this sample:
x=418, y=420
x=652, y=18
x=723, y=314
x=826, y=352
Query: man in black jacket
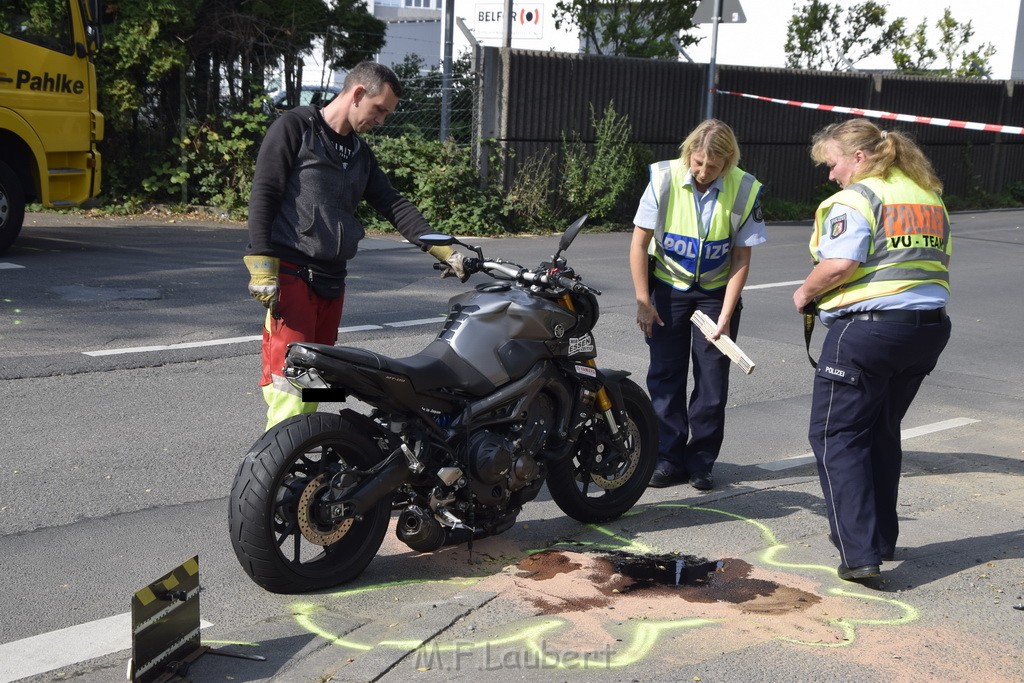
x=312, y=171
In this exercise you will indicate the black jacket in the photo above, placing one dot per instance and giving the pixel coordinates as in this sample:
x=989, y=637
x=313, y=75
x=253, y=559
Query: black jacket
x=302, y=208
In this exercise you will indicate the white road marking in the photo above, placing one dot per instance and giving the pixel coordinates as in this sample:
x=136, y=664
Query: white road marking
x=168, y=347
x=66, y=646
x=343, y=330
x=773, y=284
x=240, y=340
x=807, y=458
x=413, y=323
x=8, y=266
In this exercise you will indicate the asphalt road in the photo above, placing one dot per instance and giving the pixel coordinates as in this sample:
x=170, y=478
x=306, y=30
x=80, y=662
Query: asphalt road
x=128, y=367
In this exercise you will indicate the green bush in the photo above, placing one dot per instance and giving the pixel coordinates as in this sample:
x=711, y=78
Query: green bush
x=215, y=163
x=1014, y=193
x=776, y=209
x=441, y=180
x=530, y=199
x=597, y=182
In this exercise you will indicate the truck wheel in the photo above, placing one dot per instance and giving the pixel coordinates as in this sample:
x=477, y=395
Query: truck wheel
x=12, y=206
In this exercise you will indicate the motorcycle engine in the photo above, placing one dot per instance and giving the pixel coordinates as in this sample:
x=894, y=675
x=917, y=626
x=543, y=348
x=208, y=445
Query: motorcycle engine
x=500, y=464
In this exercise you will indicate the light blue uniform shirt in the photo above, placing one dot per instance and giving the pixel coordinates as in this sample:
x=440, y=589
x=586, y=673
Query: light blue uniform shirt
x=750, y=234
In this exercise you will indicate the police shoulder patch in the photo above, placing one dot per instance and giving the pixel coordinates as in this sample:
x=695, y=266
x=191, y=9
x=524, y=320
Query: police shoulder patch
x=837, y=226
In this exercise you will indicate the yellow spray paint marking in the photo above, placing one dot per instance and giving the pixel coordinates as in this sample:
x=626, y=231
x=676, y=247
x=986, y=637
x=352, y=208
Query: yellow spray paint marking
x=644, y=635
x=908, y=613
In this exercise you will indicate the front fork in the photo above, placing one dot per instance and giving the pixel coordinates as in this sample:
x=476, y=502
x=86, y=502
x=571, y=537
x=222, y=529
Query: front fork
x=602, y=400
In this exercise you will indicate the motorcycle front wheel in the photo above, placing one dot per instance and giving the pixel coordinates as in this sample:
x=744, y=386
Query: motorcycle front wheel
x=273, y=520
x=598, y=485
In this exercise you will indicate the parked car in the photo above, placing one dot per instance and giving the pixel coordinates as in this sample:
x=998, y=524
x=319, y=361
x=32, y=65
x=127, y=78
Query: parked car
x=308, y=94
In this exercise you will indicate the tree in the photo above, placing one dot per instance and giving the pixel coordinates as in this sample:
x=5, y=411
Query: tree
x=179, y=79
x=628, y=28
x=140, y=85
x=353, y=35
x=243, y=39
x=822, y=36
x=143, y=48
x=913, y=53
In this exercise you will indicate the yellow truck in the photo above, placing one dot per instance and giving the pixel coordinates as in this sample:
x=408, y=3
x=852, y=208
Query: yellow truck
x=49, y=121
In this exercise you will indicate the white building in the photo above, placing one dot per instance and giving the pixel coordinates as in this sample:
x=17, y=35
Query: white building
x=417, y=26
x=414, y=27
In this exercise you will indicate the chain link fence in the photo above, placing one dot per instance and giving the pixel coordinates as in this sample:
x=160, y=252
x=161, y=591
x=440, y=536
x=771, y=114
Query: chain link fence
x=421, y=110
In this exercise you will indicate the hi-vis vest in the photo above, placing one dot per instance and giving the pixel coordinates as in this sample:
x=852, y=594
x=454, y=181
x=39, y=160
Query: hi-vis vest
x=910, y=241
x=685, y=251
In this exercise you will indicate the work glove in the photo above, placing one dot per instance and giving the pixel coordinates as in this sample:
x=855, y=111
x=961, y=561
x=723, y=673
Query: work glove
x=452, y=262
x=263, y=279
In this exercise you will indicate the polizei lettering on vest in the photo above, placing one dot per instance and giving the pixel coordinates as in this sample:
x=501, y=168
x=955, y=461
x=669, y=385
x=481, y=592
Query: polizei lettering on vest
x=717, y=251
x=47, y=83
x=681, y=246
x=913, y=219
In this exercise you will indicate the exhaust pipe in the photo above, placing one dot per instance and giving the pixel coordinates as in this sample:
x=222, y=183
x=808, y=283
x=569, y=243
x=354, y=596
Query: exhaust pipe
x=420, y=530
x=384, y=482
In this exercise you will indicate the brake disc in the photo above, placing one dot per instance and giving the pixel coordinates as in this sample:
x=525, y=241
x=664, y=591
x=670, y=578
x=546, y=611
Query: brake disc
x=632, y=459
x=311, y=531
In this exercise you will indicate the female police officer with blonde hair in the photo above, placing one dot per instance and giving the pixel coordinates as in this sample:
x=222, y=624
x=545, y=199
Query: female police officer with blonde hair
x=692, y=237
x=881, y=249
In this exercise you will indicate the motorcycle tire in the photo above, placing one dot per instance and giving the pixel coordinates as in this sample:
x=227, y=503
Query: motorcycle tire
x=592, y=491
x=271, y=519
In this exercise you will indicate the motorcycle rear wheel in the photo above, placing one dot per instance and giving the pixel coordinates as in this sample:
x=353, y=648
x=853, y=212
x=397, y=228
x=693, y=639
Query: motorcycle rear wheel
x=274, y=533
x=591, y=491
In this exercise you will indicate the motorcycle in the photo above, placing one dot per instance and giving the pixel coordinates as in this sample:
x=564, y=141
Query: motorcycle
x=459, y=437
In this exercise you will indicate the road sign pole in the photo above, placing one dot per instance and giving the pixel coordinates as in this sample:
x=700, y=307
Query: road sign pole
x=509, y=13
x=709, y=108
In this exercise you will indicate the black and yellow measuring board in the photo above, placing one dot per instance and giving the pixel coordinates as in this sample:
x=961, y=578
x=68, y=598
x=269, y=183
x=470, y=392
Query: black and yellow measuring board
x=165, y=628
x=165, y=623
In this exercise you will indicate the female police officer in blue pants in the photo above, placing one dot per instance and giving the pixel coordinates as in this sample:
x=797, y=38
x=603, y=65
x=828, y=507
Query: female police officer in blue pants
x=881, y=282
x=692, y=238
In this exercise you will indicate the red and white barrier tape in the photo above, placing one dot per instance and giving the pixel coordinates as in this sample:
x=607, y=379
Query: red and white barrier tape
x=931, y=120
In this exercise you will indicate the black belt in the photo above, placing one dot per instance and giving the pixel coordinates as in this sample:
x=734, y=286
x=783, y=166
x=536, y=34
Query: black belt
x=936, y=315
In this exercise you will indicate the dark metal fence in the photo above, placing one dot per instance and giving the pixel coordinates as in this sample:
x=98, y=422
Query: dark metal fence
x=528, y=101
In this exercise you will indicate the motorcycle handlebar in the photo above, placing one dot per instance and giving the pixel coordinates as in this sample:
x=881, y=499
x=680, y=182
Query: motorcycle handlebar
x=512, y=271
x=574, y=285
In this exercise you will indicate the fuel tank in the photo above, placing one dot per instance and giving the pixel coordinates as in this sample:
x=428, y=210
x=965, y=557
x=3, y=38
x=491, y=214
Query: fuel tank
x=502, y=330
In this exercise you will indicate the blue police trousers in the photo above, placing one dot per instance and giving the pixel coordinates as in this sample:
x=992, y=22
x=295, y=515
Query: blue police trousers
x=867, y=376
x=690, y=433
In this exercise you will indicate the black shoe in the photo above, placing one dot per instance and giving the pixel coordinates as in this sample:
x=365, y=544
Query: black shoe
x=663, y=477
x=886, y=557
x=702, y=482
x=865, y=571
